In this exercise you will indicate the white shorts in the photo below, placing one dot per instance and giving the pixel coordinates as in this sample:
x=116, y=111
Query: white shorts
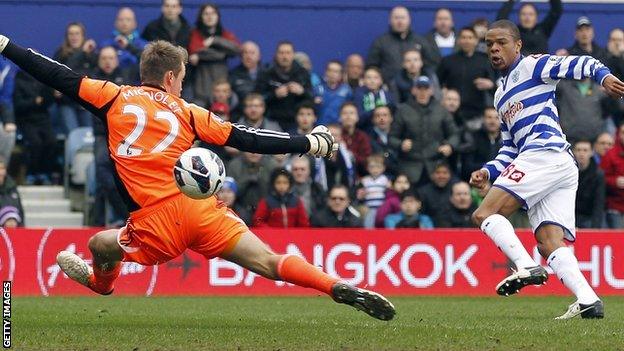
x=545, y=183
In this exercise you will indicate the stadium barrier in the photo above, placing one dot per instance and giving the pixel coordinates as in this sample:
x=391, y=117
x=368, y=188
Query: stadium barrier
x=401, y=262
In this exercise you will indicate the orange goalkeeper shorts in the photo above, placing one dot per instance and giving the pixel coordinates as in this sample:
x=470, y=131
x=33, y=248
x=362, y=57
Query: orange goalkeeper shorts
x=159, y=233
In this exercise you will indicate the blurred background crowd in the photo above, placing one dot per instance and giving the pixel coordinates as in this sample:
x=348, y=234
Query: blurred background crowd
x=413, y=117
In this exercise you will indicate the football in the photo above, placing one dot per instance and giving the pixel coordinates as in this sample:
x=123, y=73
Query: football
x=199, y=173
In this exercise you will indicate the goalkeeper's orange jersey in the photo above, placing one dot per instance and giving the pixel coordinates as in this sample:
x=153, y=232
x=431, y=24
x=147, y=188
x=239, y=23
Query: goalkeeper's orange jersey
x=148, y=129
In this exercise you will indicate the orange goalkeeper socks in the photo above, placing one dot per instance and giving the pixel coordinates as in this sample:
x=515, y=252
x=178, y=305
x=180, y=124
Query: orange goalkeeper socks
x=102, y=280
x=296, y=270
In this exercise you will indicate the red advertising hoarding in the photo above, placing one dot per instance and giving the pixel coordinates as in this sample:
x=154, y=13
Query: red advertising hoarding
x=400, y=262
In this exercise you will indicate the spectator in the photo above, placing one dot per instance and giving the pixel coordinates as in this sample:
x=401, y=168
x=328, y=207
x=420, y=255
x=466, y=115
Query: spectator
x=604, y=142
x=210, y=46
x=483, y=145
x=387, y=50
x=223, y=101
x=252, y=173
x=380, y=138
x=470, y=73
x=374, y=185
x=590, y=196
x=423, y=132
x=7, y=116
x=613, y=166
x=106, y=189
x=534, y=35
x=244, y=76
x=354, y=71
x=304, y=61
x=460, y=209
x=339, y=213
x=356, y=140
x=254, y=114
x=170, y=26
x=306, y=118
x=284, y=86
x=392, y=202
x=340, y=168
x=31, y=100
x=77, y=53
x=451, y=101
x=11, y=211
x=401, y=85
x=583, y=107
x=311, y=193
x=584, y=43
x=281, y=208
x=125, y=38
x=227, y=194
x=615, y=52
x=332, y=93
x=442, y=37
x=409, y=216
x=369, y=96
x=435, y=195
x=480, y=26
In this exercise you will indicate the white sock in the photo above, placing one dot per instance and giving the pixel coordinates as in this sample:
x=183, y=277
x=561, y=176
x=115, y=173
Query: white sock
x=563, y=262
x=502, y=233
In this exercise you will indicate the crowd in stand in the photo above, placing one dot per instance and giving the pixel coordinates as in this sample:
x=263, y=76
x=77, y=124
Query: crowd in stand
x=413, y=119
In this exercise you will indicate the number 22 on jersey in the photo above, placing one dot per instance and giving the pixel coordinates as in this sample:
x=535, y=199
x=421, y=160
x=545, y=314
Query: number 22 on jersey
x=127, y=145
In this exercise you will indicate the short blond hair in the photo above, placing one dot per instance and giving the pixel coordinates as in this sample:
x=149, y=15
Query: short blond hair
x=160, y=57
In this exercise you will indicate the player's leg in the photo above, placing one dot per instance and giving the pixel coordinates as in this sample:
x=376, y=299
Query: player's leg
x=251, y=253
x=553, y=220
x=107, y=256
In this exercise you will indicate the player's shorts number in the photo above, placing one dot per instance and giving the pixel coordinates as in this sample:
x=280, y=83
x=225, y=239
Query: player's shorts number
x=125, y=147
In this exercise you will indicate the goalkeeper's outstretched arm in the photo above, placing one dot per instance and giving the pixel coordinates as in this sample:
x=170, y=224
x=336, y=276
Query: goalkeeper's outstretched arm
x=47, y=71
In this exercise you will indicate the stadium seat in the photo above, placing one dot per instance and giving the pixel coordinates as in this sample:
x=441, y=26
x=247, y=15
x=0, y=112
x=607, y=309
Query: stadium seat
x=78, y=156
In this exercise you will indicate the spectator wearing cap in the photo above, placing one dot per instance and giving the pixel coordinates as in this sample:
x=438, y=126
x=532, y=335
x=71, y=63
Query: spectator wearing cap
x=227, y=194
x=591, y=192
x=423, y=132
x=460, y=207
x=442, y=37
x=281, y=208
x=470, y=73
x=584, y=43
x=11, y=211
x=339, y=213
x=410, y=216
x=387, y=50
x=534, y=35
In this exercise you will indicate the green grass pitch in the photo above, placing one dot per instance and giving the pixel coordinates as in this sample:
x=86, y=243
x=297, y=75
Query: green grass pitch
x=307, y=323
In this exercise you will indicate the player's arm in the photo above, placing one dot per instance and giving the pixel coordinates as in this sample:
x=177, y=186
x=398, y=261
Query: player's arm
x=214, y=130
x=92, y=94
x=506, y=154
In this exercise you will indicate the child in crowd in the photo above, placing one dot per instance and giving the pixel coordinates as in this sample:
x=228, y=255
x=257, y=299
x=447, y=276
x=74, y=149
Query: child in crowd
x=409, y=217
x=281, y=208
x=392, y=203
x=374, y=185
x=371, y=95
